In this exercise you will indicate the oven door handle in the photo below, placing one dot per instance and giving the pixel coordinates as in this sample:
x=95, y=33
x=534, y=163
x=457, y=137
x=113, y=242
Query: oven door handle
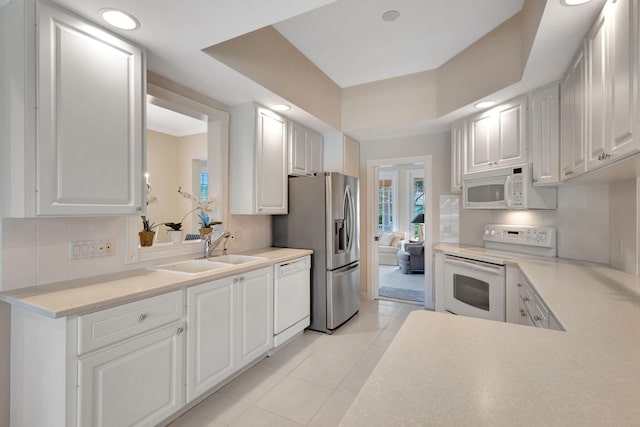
x=480, y=266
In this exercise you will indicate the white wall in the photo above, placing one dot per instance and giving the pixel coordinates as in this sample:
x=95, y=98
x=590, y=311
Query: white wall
x=623, y=240
x=582, y=220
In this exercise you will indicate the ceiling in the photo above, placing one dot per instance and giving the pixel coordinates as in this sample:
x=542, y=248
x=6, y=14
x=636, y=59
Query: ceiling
x=347, y=39
x=173, y=123
x=352, y=44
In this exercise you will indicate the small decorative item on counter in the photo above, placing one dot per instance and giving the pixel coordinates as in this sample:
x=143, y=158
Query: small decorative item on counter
x=205, y=206
x=175, y=231
x=147, y=234
x=206, y=224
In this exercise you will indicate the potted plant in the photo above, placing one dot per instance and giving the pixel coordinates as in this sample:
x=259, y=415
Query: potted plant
x=206, y=224
x=147, y=234
x=175, y=231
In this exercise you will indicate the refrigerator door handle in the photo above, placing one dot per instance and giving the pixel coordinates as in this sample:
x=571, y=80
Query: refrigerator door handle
x=348, y=268
x=349, y=215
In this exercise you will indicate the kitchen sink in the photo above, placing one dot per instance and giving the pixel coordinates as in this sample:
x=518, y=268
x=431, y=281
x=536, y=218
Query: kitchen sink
x=237, y=259
x=191, y=267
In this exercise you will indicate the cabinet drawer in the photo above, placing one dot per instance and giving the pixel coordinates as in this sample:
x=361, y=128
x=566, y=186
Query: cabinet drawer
x=526, y=293
x=105, y=327
x=541, y=314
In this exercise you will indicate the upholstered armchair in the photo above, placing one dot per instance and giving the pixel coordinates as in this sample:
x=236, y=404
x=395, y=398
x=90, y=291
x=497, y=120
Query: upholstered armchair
x=411, y=258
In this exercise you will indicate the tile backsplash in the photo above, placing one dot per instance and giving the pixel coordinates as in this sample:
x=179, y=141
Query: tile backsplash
x=36, y=251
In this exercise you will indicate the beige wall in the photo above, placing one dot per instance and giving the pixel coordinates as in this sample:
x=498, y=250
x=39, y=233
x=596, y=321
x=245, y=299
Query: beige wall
x=270, y=60
x=5, y=365
x=162, y=152
x=436, y=145
x=397, y=101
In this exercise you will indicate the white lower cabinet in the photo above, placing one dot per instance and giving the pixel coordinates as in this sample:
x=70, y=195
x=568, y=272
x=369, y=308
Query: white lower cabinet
x=255, y=315
x=210, y=337
x=525, y=306
x=139, y=363
x=230, y=325
x=137, y=383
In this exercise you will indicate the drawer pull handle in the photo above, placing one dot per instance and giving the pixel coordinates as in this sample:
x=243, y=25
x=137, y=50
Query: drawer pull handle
x=242, y=278
x=519, y=285
x=143, y=317
x=522, y=313
x=537, y=318
x=180, y=330
x=235, y=280
x=525, y=299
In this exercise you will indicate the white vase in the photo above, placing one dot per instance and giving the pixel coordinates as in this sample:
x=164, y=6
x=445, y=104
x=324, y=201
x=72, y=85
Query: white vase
x=176, y=236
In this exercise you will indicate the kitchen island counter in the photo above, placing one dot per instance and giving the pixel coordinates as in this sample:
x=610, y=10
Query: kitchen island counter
x=443, y=369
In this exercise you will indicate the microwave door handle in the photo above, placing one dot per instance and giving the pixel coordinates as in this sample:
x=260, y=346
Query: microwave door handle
x=508, y=192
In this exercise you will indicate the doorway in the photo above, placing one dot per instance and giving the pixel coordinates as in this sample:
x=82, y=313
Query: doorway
x=399, y=199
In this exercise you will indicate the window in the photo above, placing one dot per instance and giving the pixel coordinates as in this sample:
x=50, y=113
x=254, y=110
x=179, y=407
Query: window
x=387, y=200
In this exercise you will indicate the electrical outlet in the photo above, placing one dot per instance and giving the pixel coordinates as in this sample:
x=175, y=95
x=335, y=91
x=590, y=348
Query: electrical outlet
x=84, y=249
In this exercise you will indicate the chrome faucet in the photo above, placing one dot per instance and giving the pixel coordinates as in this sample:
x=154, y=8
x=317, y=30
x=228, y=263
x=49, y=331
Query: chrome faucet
x=210, y=245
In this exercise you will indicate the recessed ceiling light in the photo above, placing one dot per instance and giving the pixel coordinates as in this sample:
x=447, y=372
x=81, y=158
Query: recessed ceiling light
x=485, y=104
x=573, y=2
x=281, y=107
x=390, y=15
x=119, y=19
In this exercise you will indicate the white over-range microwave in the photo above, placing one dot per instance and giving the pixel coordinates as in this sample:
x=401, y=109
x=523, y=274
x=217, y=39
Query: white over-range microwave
x=506, y=188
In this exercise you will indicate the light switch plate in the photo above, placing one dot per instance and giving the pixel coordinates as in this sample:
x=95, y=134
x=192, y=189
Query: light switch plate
x=83, y=249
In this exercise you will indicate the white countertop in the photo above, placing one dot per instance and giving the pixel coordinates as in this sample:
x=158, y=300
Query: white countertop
x=443, y=369
x=95, y=293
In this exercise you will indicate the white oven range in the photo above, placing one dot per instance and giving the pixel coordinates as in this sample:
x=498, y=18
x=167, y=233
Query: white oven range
x=475, y=285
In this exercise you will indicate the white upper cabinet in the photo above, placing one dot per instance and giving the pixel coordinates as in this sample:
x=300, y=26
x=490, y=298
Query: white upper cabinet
x=612, y=84
x=544, y=122
x=458, y=144
x=498, y=137
x=257, y=161
x=305, y=151
x=80, y=151
x=573, y=116
x=341, y=154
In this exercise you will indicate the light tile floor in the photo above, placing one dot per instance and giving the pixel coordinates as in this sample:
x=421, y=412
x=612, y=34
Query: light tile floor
x=312, y=381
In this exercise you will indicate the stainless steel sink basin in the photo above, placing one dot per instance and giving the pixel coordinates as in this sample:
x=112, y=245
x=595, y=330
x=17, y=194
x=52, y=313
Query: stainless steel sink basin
x=191, y=267
x=237, y=259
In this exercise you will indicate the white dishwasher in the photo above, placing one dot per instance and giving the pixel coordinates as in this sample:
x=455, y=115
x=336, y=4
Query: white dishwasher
x=291, y=299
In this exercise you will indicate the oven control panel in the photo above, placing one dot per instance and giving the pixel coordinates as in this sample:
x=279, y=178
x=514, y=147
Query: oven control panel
x=526, y=235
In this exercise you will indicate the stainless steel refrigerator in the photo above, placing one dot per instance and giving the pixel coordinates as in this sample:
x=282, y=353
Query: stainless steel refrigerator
x=324, y=216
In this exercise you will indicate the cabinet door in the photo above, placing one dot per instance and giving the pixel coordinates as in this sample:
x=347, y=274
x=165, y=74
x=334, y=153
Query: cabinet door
x=210, y=337
x=298, y=154
x=458, y=140
x=255, y=315
x=351, y=157
x=90, y=116
x=623, y=72
x=545, y=136
x=567, y=124
x=136, y=383
x=271, y=163
x=481, y=137
x=510, y=147
x=316, y=153
x=597, y=102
